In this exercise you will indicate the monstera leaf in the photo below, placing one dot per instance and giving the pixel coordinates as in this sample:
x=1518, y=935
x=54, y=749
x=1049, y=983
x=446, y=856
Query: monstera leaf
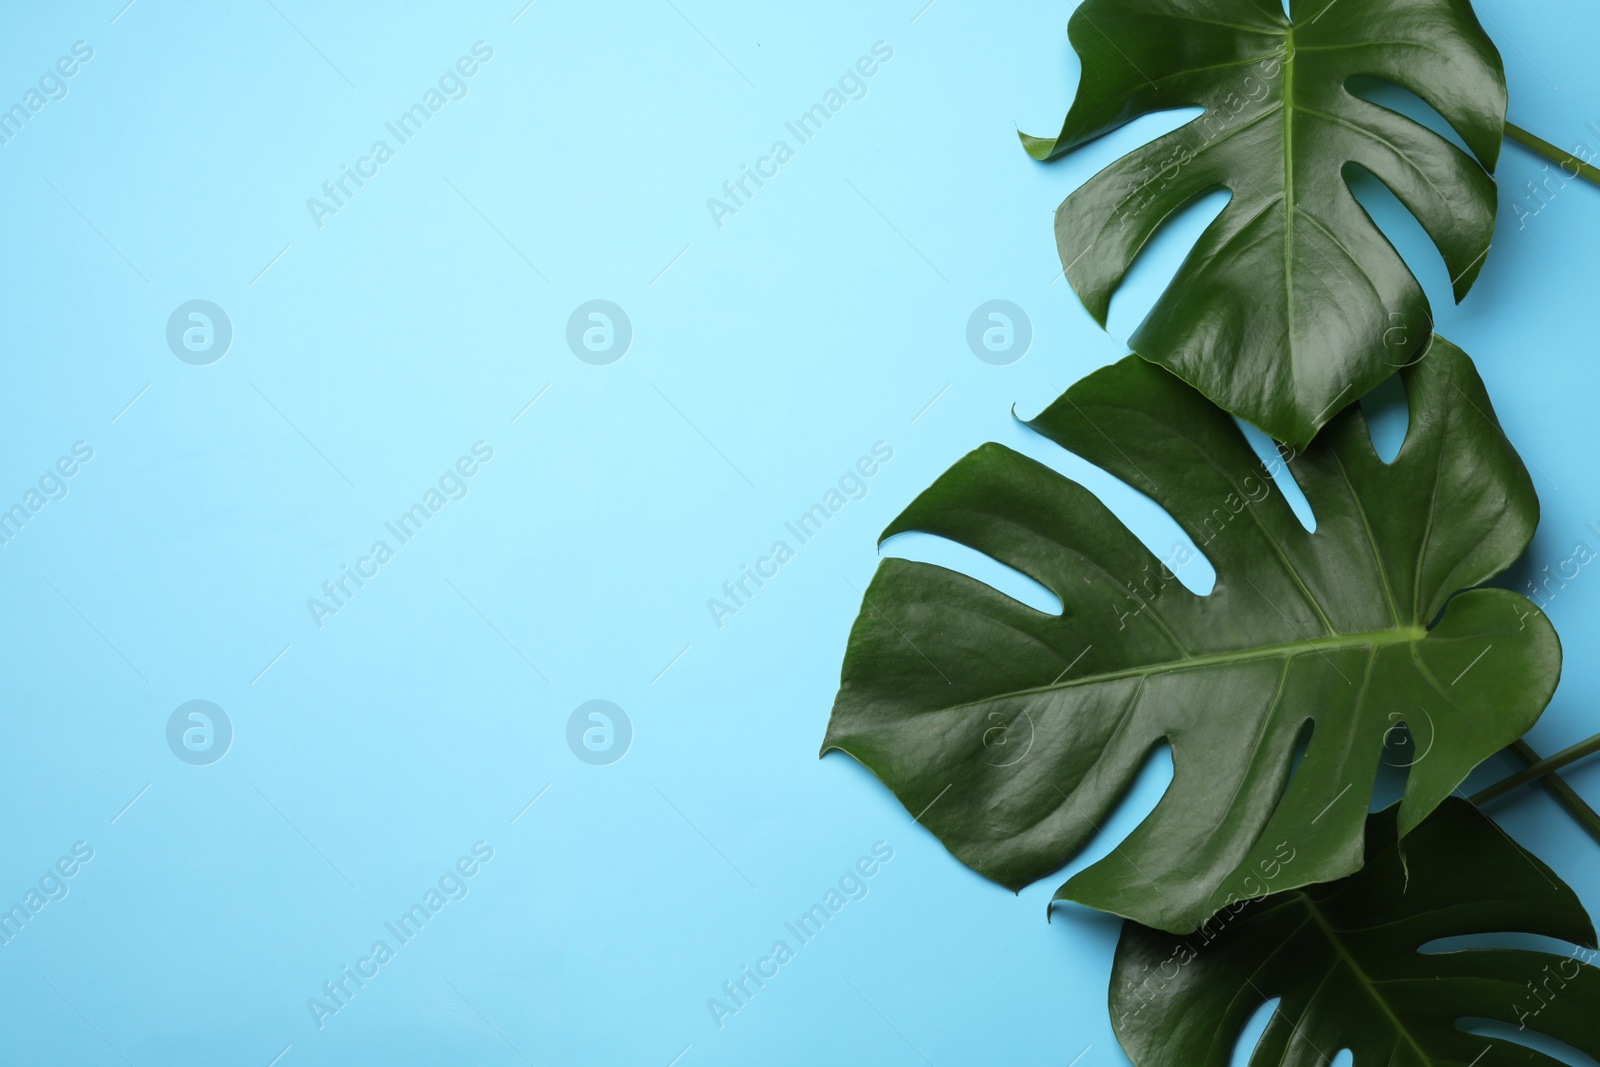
x=1293, y=304
x=1011, y=732
x=1345, y=960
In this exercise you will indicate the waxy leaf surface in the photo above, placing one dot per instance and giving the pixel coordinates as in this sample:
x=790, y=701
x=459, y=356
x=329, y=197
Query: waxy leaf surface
x=1011, y=733
x=1292, y=304
x=1346, y=961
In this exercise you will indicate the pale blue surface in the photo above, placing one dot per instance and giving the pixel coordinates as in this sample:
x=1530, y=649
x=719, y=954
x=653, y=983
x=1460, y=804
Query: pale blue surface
x=766, y=358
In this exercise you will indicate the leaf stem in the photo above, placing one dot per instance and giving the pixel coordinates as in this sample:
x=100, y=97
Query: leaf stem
x=1553, y=154
x=1565, y=795
x=1544, y=770
x=1538, y=768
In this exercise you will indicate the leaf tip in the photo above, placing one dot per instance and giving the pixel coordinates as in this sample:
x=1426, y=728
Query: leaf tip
x=1040, y=148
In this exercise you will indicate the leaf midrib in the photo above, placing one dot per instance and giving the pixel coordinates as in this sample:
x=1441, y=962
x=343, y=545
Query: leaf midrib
x=1332, y=935
x=1288, y=192
x=1370, y=639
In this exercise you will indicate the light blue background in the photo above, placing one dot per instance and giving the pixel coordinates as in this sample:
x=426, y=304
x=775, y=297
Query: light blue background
x=826, y=315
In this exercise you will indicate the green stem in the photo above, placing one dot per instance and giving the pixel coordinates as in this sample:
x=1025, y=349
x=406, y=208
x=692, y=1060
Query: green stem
x=1565, y=795
x=1538, y=768
x=1553, y=154
x=1544, y=771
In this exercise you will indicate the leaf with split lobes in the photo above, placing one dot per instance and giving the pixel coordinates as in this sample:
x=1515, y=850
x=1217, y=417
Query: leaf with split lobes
x=1292, y=304
x=1346, y=961
x=1344, y=632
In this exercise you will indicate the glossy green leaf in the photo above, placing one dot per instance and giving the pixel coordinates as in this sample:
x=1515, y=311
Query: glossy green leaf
x=1011, y=733
x=1293, y=304
x=1345, y=960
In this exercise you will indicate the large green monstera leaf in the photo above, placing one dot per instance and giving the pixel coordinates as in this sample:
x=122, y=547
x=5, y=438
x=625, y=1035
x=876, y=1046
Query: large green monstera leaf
x=1293, y=304
x=1011, y=732
x=1345, y=960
